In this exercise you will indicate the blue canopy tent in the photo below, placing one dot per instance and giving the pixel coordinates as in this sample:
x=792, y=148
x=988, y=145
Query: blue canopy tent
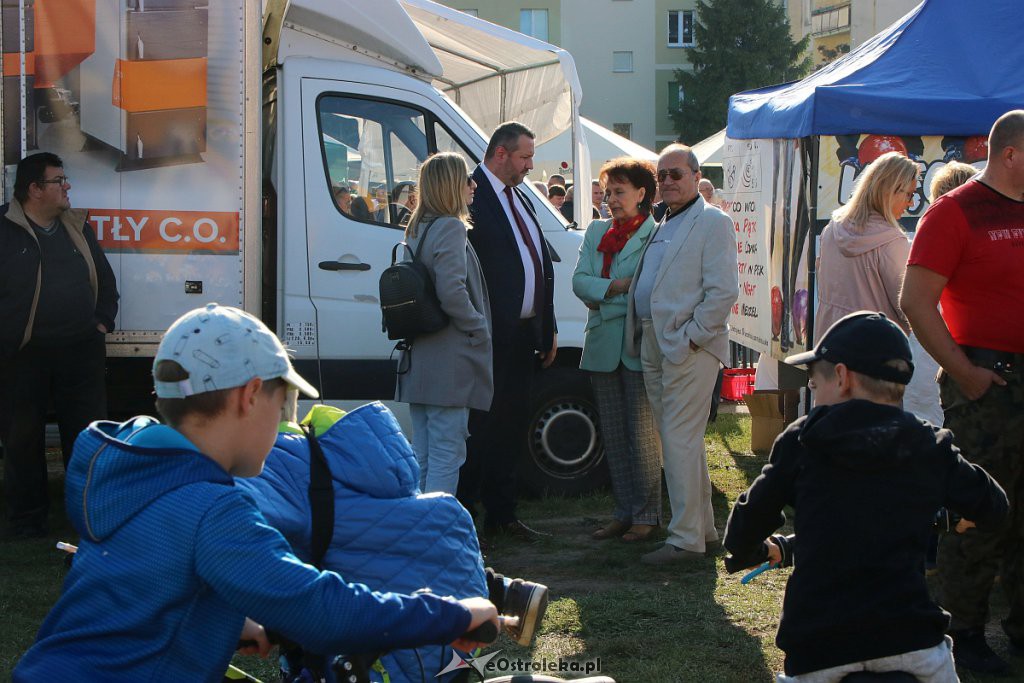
x=948, y=67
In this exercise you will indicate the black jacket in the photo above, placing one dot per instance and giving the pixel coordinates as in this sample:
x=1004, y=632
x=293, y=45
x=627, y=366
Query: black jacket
x=20, y=273
x=865, y=481
x=496, y=247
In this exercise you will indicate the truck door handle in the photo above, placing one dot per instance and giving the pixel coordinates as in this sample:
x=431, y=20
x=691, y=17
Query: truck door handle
x=338, y=265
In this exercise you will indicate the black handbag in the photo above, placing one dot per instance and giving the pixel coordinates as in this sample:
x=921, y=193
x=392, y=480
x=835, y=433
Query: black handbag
x=408, y=301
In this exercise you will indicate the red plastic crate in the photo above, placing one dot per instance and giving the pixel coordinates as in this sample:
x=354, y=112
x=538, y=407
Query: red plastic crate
x=737, y=383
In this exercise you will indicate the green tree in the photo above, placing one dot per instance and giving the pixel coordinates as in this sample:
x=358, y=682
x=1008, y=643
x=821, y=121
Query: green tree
x=831, y=54
x=740, y=45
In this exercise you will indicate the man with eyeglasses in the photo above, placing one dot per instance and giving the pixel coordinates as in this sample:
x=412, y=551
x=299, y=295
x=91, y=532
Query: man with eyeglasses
x=677, y=322
x=58, y=298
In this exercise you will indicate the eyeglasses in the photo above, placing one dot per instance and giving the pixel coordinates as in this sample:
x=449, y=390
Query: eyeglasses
x=674, y=173
x=908, y=194
x=59, y=180
x=469, y=180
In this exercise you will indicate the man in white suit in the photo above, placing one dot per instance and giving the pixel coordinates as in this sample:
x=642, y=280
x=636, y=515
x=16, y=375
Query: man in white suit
x=677, y=322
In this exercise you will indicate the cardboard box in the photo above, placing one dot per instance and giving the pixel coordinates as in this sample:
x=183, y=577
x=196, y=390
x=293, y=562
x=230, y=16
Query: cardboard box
x=770, y=412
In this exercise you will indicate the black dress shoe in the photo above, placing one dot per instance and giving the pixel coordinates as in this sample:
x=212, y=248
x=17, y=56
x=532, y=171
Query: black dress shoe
x=1016, y=644
x=515, y=529
x=971, y=652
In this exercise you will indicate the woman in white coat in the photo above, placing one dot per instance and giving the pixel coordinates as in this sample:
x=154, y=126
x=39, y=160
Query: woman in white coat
x=449, y=371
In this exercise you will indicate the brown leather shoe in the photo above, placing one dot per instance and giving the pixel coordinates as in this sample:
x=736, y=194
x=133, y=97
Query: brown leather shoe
x=527, y=601
x=611, y=530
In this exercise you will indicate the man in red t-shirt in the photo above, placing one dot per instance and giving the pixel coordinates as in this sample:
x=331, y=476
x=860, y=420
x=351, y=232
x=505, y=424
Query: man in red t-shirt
x=968, y=254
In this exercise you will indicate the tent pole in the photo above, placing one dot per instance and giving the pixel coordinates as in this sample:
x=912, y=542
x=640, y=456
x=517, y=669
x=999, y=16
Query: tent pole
x=813, y=149
x=813, y=146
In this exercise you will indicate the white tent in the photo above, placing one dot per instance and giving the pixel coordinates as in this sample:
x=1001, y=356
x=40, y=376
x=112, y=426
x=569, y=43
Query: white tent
x=492, y=73
x=709, y=150
x=554, y=156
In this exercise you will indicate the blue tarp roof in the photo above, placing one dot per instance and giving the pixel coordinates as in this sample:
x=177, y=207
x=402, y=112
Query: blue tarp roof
x=949, y=67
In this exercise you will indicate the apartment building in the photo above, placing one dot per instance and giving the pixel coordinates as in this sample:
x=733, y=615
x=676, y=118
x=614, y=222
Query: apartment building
x=626, y=53
x=840, y=26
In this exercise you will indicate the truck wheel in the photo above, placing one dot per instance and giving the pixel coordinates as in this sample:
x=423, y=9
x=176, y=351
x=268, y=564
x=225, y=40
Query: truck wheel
x=564, y=452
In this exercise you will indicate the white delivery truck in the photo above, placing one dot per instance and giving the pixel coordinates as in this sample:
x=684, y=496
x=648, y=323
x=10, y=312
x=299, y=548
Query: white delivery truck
x=210, y=145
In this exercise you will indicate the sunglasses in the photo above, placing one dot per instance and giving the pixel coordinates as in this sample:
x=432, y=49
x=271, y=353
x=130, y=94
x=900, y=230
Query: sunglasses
x=59, y=180
x=674, y=173
x=469, y=180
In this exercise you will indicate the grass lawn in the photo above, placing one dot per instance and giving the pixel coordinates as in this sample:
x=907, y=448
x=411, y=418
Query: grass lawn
x=642, y=623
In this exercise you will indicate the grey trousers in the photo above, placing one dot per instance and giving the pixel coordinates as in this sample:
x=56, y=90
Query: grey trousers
x=630, y=444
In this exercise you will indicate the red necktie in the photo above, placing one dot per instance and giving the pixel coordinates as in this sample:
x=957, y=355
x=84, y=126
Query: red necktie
x=538, y=269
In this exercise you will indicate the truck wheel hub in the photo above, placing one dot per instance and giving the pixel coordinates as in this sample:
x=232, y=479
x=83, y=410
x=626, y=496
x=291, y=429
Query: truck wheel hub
x=565, y=439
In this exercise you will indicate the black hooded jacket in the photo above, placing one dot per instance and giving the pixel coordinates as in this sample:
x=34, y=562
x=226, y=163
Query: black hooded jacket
x=865, y=480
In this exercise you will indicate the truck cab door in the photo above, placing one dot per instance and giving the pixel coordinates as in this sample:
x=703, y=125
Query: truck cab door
x=362, y=149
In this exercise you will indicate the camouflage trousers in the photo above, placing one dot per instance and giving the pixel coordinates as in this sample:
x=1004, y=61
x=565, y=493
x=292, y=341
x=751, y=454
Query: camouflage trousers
x=990, y=433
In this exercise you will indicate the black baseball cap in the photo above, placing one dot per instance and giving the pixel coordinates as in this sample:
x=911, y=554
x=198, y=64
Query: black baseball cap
x=863, y=341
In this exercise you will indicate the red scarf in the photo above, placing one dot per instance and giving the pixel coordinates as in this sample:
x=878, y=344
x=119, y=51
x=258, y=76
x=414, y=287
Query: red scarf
x=615, y=239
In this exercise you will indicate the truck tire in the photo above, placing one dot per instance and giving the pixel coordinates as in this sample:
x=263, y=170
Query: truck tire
x=564, y=453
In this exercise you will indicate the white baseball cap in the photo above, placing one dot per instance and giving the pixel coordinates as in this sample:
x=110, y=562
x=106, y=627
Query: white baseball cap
x=221, y=347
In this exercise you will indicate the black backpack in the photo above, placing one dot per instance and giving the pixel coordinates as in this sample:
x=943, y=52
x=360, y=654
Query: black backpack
x=407, y=298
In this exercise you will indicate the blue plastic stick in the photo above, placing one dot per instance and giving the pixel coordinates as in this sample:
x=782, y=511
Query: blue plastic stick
x=753, y=574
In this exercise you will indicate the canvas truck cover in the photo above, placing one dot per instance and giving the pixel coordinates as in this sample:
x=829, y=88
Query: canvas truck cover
x=492, y=73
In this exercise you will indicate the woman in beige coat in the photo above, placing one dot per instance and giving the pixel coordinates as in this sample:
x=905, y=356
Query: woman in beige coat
x=863, y=254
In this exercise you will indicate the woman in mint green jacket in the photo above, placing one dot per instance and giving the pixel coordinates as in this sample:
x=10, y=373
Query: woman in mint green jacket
x=608, y=258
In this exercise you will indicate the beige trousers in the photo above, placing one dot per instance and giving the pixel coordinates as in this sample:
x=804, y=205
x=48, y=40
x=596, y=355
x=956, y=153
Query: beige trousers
x=680, y=397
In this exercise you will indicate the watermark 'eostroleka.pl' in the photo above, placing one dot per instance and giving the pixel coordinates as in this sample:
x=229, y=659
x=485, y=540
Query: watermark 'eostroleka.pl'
x=492, y=663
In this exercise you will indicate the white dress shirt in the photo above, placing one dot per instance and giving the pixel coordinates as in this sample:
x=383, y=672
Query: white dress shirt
x=524, y=252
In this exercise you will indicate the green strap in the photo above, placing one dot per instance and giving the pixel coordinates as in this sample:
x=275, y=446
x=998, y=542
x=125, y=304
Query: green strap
x=379, y=668
x=235, y=674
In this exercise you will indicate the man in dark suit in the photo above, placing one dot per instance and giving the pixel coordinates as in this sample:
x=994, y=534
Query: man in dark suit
x=509, y=242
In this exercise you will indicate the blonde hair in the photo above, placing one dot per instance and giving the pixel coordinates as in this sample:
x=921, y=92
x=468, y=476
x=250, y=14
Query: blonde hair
x=875, y=189
x=880, y=389
x=442, y=184
x=951, y=176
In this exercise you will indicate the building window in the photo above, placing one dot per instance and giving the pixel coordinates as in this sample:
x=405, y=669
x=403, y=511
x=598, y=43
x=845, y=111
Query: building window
x=534, y=22
x=680, y=28
x=622, y=62
x=830, y=20
x=471, y=12
x=675, y=97
x=623, y=129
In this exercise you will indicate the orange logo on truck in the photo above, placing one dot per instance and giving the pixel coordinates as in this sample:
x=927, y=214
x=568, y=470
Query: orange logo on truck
x=165, y=232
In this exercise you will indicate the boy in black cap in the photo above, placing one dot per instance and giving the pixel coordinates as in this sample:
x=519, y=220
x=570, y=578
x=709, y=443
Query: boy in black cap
x=867, y=479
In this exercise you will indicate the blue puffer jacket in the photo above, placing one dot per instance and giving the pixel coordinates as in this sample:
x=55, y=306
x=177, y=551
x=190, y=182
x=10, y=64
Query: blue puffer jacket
x=386, y=534
x=173, y=556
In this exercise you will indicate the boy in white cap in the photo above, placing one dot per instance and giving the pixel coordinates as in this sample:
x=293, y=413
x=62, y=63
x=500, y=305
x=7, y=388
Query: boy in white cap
x=174, y=557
